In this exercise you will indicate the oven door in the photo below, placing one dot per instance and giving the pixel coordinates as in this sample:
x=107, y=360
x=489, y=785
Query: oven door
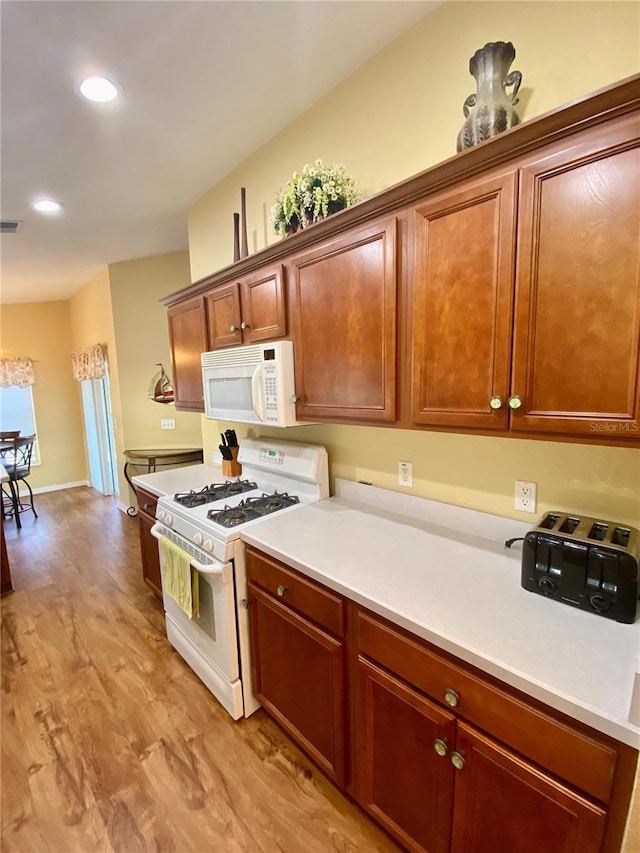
x=207, y=642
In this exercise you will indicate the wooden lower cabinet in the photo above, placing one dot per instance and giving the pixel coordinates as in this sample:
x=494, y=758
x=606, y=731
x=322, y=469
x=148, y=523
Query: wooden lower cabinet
x=444, y=758
x=400, y=779
x=148, y=543
x=298, y=675
x=504, y=803
x=488, y=801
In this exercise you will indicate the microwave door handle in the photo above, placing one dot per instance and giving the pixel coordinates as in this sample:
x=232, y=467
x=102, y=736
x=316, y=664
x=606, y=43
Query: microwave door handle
x=257, y=389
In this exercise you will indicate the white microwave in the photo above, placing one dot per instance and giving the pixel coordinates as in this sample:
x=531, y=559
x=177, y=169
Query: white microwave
x=251, y=385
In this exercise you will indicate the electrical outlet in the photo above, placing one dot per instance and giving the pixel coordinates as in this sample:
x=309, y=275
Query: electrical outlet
x=167, y=423
x=525, y=496
x=405, y=474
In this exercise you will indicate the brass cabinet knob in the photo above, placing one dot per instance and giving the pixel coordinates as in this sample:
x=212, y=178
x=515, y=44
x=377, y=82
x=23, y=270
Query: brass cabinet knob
x=233, y=328
x=440, y=746
x=281, y=590
x=496, y=402
x=457, y=760
x=294, y=398
x=451, y=697
x=244, y=325
x=515, y=402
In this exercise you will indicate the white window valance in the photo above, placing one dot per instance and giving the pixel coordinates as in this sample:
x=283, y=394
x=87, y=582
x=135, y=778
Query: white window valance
x=16, y=372
x=88, y=363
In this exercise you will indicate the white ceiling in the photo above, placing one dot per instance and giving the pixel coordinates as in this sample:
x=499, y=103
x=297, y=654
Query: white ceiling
x=205, y=84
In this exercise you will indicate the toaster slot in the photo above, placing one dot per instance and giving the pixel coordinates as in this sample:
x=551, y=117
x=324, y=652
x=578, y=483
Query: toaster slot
x=569, y=524
x=598, y=531
x=621, y=536
x=550, y=521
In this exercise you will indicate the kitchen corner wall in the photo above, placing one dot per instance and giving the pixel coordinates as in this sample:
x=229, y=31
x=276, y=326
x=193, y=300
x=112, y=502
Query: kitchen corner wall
x=120, y=307
x=140, y=322
x=397, y=115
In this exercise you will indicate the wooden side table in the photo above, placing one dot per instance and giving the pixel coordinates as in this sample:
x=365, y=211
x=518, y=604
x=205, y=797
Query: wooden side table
x=152, y=459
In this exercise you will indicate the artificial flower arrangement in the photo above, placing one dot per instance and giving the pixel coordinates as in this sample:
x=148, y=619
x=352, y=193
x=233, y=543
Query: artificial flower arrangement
x=316, y=192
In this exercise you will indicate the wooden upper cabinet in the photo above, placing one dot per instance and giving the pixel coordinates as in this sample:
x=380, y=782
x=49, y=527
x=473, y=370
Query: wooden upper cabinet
x=577, y=322
x=464, y=248
x=187, y=341
x=247, y=311
x=344, y=319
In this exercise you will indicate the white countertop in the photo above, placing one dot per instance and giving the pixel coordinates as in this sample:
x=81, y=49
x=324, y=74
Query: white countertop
x=171, y=480
x=461, y=591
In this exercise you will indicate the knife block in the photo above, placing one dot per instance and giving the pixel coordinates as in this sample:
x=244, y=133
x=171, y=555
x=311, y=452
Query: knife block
x=231, y=467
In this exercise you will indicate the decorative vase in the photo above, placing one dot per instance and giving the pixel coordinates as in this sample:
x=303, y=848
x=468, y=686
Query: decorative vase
x=490, y=111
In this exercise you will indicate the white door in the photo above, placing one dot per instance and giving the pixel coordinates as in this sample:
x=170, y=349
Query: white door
x=98, y=425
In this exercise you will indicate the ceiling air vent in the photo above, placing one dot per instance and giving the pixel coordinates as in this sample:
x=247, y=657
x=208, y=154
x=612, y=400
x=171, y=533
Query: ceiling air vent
x=9, y=226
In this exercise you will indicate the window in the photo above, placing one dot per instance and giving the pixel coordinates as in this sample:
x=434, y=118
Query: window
x=16, y=412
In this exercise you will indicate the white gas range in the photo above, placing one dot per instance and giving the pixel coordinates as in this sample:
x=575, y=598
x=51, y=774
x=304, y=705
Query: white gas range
x=206, y=522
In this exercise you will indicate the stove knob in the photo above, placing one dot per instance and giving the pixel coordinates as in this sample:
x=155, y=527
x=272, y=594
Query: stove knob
x=168, y=520
x=198, y=539
x=208, y=546
x=160, y=515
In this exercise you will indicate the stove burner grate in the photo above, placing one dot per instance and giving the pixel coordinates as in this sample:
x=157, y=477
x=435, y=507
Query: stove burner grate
x=214, y=492
x=250, y=508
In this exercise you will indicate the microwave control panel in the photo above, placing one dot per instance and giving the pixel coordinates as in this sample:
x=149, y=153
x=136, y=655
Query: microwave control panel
x=270, y=378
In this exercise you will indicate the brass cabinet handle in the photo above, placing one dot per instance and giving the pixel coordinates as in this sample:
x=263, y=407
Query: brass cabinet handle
x=515, y=402
x=451, y=697
x=496, y=402
x=244, y=325
x=457, y=760
x=440, y=747
x=281, y=590
x=294, y=398
x=233, y=328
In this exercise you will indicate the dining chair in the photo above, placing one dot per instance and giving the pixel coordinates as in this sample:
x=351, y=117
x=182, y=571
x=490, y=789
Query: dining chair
x=15, y=456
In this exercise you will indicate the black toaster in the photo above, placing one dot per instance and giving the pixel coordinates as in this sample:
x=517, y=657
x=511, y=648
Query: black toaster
x=586, y=562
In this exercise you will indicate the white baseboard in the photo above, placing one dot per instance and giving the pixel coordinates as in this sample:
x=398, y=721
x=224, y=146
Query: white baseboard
x=59, y=486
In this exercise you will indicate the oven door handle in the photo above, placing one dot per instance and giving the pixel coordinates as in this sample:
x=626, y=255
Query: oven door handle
x=203, y=568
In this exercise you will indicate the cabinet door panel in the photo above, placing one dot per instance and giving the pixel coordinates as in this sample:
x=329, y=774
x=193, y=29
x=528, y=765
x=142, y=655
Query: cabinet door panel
x=223, y=313
x=578, y=299
x=400, y=779
x=345, y=327
x=298, y=673
x=462, y=304
x=502, y=803
x=188, y=340
x=150, y=556
x=263, y=306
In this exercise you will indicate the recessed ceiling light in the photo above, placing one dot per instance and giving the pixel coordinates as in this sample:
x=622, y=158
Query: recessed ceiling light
x=46, y=205
x=98, y=89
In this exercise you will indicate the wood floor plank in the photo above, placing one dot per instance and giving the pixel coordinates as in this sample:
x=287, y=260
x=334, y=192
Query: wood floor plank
x=110, y=743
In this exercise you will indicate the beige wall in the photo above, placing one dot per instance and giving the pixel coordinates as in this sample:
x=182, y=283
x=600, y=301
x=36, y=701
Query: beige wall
x=42, y=331
x=140, y=323
x=400, y=114
x=92, y=323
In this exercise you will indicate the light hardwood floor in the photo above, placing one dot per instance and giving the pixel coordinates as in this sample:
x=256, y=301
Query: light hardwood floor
x=109, y=741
